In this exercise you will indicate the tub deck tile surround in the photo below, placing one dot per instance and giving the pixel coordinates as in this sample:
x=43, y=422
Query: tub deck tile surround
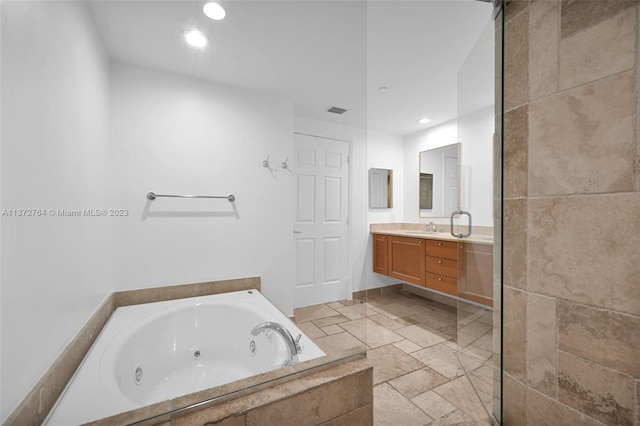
x=329, y=396
x=161, y=294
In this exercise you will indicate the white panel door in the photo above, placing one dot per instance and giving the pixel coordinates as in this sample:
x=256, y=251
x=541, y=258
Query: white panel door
x=451, y=185
x=321, y=189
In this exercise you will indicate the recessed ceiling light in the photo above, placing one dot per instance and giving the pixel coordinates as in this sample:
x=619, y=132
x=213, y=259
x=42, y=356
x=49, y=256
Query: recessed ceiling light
x=195, y=38
x=424, y=121
x=214, y=11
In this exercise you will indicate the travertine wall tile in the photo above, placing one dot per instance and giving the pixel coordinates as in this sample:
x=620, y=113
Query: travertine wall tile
x=637, y=421
x=514, y=401
x=364, y=388
x=515, y=243
x=514, y=8
x=578, y=247
x=362, y=416
x=160, y=294
x=543, y=48
x=231, y=421
x=597, y=391
x=516, y=61
x=516, y=136
x=514, y=332
x=542, y=410
x=602, y=50
x=541, y=344
x=595, y=153
x=609, y=338
x=582, y=249
x=319, y=405
x=580, y=14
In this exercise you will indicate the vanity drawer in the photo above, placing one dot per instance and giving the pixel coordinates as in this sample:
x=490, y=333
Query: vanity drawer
x=445, y=249
x=441, y=283
x=442, y=266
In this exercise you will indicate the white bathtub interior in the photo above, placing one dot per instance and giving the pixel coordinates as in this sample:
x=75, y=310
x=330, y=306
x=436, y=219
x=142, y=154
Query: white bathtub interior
x=158, y=351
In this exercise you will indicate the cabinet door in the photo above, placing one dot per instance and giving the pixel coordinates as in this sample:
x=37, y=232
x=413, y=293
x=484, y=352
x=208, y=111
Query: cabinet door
x=407, y=259
x=380, y=254
x=476, y=273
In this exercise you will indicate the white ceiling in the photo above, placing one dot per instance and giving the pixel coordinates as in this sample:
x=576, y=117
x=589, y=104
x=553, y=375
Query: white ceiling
x=318, y=53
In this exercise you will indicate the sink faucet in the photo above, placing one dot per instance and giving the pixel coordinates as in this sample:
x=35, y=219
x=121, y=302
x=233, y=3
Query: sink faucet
x=293, y=346
x=431, y=227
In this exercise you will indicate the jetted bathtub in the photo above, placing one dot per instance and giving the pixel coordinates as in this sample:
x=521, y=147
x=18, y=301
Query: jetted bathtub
x=157, y=351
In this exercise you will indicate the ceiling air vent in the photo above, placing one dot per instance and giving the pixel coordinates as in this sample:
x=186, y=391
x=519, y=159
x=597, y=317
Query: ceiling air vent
x=337, y=110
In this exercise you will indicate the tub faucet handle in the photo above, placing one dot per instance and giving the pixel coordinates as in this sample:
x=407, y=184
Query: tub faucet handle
x=298, y=342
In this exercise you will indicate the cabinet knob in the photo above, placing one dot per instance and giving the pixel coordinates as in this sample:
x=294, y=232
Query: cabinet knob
x=439, y=278
x=439, y=244
x=440, y=261
x=420, y=242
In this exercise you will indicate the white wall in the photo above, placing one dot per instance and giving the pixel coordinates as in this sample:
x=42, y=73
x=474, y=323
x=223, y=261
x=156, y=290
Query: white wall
x=385, y=151
x=475, y=132
x=55, y=270
x=177, y=135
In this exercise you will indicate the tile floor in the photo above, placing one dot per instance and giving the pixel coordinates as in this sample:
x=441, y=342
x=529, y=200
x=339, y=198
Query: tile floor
x=411, y=343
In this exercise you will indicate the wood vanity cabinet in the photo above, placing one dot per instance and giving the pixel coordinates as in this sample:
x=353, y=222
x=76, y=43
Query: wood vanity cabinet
x=380, y=254
x=406, y=259
x=424, y=262
x=451, y=267
x=442, y=266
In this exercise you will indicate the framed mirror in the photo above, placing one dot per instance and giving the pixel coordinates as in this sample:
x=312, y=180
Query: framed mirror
x=439, y=191
x=380, y=188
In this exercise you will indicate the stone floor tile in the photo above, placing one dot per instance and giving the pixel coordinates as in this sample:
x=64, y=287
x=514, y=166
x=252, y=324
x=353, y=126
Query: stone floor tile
x=391, y=324
x=397, y=310
x=311, y=313
x=460, y=393
x=440, y=358
x=407, y=346
x=422, y=336
x=418, y=382
x=390, y=362
x=370, y=332
x=310, y=330
x=433, y=404
x=332, y=329
x=336, y=319
x=361, y=310
x=337, y=343
x=390, y=408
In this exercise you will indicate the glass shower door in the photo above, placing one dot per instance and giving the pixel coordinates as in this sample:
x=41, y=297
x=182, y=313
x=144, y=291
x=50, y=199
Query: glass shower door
x=479, y=257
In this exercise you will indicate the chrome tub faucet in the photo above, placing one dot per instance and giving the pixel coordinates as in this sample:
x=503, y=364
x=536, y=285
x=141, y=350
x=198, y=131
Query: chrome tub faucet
x=293, y=345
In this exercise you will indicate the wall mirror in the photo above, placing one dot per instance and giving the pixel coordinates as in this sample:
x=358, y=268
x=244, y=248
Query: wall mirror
x=439, y=181
x=380, y=188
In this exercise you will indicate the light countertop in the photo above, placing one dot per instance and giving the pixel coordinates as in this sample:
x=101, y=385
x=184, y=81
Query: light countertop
x=419, y=231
